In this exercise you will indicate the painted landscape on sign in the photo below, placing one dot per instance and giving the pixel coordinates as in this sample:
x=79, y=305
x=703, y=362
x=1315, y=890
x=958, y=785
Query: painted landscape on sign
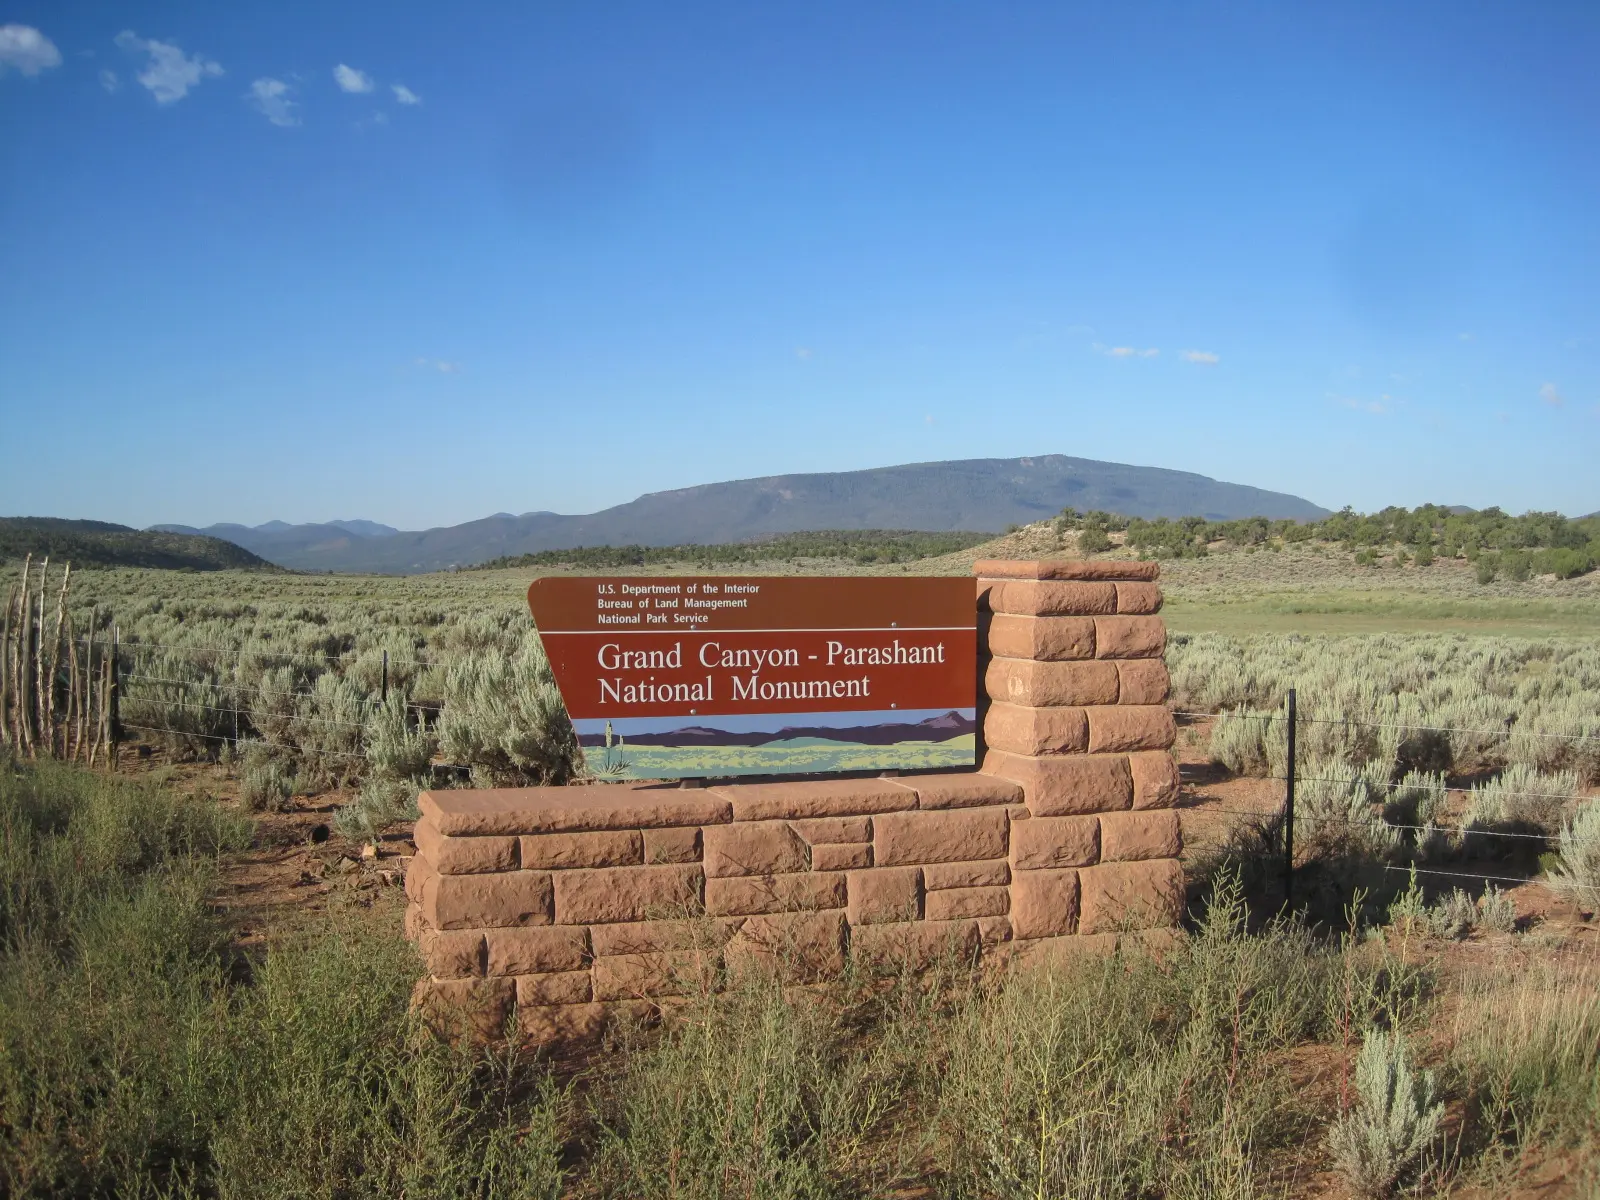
x=710, y=747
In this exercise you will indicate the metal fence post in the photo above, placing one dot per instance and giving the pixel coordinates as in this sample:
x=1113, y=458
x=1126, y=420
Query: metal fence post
x=1288, y=813
x=385, y=695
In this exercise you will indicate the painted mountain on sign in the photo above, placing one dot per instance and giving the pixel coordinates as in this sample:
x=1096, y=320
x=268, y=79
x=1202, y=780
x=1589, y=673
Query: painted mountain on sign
x=978, y=494
x=941, y=728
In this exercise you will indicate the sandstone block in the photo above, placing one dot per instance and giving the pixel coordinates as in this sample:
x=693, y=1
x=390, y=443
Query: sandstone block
x=452, y=953
x=463, y=855
x=915, y=944
x=1068, y=784
x=1053, y=638
x=752, y=894
x=605, y=894
x=957, y=835
x=814, y=798
x=1049, y=598
x=841, y=858
x=412, y=923
x=1023, y=730
x=800, y=946
x=884, y=894
x=1044, y=903
x=561, y=987
x=1129, y=637
x=1131, y=895
x=1138, y=598
x=952, y=904
x=834, y=831
x=608, y=848
x=1050, y=684
x=993, y=872
x=1142, y=681
x=1063, y=953
x=652, y=937
x=1065, y=568
x=418, y=871
x=672, y=845
x=1130, y=727
x=961, y=789
x=488, y=901
x=1133, y=836
x=557, y=1024
x=994, y=931
x=754, y=848
x=472, y=1010
x=1046, y=843
x=1154, y=775
x=668, y=973
x=581, y=807
x=535, y=951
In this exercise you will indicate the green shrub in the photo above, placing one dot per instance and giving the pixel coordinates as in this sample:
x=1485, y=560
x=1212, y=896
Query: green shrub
x=1384, y=1138
x=504, y=718
x=1488, y=567
x=1424, y=554
x=1578, y=848
x=1093, y=539
x=1563, y=563
x=266, y=786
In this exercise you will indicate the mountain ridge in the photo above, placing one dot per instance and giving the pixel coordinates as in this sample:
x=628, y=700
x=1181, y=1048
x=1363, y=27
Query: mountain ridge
x=977, y=495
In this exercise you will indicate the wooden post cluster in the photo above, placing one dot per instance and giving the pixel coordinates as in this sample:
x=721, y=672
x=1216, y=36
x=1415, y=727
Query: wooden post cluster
x=575, y=904
x=56, y=688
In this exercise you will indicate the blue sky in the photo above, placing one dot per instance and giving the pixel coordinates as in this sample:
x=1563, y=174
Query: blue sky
x=595, y=250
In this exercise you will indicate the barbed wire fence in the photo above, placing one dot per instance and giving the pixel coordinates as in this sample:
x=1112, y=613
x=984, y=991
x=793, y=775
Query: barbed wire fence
x=77, y=697
x=1288, y=818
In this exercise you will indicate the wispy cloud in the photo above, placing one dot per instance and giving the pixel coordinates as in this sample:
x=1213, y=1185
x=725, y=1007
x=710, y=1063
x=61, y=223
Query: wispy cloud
x=1126, y=351
x=25, y=49
x=1203, y=357
x=109, y=81
x=439, y=364
x=1467, y=337
x=1551, y=395
x=169, y=73
x=802, y=352
x=273, y=99
x=405, y=95
x=351, y=80
x=1357, y=404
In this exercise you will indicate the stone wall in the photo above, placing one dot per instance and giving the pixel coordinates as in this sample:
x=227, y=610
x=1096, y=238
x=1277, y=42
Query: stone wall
x=577, y=903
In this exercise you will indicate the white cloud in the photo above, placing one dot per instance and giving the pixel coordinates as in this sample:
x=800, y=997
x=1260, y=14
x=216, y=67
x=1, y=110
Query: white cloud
x=26, y=49
x=1204, y=357
x=1126, y=351
x=272, y=99
x=439, y=364
x=351, y=80
x=1360, y=405
x=109, y=81
x=1551, y=395
x=405, y=95
x=169, y=73
x=1467, y=337
x=802, y=352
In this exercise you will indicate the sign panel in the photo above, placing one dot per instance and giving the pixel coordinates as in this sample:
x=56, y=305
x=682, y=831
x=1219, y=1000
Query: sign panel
x=739, y=675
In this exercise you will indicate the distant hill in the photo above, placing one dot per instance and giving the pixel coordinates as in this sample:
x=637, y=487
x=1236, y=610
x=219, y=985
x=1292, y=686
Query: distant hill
x=102, y=544
x=973, y=495
x=321, y=547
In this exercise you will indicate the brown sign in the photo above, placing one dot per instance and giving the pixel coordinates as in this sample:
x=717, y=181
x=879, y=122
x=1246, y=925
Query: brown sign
x=728, y=675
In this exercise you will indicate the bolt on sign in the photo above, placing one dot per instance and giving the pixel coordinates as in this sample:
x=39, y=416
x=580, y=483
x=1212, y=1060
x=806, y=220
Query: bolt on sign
x=695, y=677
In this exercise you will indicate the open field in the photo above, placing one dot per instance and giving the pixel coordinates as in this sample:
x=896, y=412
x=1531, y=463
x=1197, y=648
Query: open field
x=238, y=960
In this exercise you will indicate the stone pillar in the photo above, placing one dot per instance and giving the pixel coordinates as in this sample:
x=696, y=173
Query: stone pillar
x=1075, y=690
x=577, y=904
